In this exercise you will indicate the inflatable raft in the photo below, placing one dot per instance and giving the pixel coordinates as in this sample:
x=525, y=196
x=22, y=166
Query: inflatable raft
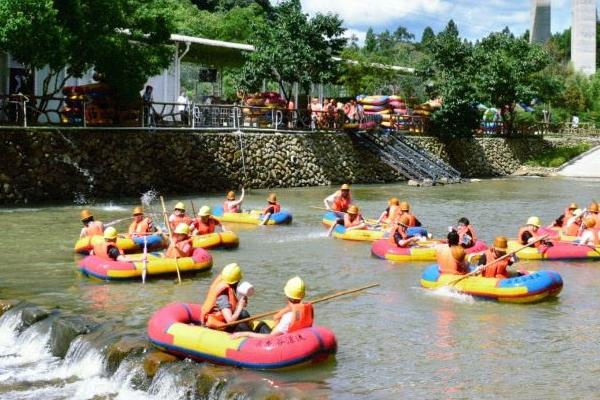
x=423, y=252
x=217, y=240
x=559, y=251
x=370, y=234
x=529, y=288
x=253, y=217
x=175, y=329
x=125, y=243
x=109, y=270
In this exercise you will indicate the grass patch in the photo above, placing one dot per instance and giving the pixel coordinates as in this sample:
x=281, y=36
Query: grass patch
x=557, y=156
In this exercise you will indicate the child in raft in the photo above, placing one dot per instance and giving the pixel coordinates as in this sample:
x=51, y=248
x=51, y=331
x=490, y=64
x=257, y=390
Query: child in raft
x=399, y=235
x=352, y=220
x=273, y=207
x=231, y=205
x=466, y=233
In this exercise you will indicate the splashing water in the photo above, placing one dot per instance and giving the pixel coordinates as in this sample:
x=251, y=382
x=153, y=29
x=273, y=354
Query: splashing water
x=149, y=197
x=299, y=238
x=112, y=207
x=447, y=291
x=80, y=199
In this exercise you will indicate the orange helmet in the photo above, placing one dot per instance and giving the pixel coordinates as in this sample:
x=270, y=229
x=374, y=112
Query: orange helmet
x=138, y=211
x=272, y=198
x=593, y=207
x=590, y=222
x=501, y=243
x=458, y=252
x=404, y=206
x=85, y=215
x=394, y=201
x=353, y=210
x=345, y=186
x=573, y=206
x=231, y=195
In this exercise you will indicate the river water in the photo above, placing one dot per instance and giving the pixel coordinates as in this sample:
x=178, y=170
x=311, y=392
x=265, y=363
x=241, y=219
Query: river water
x=395, y=341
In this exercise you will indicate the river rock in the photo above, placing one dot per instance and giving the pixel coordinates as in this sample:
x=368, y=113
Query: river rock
x=65, y=330
x=128, y=345
x=32, y=314
x=6, y=305
x=413, y=182
x=154, y=359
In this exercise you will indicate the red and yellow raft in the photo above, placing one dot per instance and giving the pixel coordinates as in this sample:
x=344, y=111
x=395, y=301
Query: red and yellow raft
x=217, y=240
x=424, y=251
x=175, y=329
x=124, y=242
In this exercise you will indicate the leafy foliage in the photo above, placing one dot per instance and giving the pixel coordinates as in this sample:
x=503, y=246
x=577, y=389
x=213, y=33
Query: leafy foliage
x=557, y=156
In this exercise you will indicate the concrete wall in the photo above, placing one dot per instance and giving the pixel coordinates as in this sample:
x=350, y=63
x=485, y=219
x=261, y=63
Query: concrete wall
x=540, y=21
x=583, y=36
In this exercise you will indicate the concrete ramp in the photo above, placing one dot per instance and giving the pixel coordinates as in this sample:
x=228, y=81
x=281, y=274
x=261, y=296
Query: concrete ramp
x=586, y=165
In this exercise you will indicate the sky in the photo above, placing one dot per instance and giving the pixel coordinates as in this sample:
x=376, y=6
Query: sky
x=475, y=18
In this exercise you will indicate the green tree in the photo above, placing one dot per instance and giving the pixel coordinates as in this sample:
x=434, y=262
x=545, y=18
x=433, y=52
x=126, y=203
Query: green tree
x=294, y=48
x=126, y=41
x=370, y=41
x=427, y=37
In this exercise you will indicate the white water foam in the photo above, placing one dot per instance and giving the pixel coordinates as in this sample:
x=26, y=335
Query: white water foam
x=17, y=210
x=299, y=238
x=112, y=207
x=448, y=292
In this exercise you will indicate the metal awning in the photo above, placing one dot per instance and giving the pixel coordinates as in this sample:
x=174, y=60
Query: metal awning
x=213, y=52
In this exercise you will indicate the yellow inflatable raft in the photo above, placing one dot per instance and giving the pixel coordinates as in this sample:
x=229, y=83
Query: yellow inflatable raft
x=225, y=240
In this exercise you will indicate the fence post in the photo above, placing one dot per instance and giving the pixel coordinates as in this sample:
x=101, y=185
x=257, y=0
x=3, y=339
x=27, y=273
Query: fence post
x=84, y=101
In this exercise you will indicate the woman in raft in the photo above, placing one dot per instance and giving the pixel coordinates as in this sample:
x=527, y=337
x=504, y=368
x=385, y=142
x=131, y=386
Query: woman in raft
x=231, y=205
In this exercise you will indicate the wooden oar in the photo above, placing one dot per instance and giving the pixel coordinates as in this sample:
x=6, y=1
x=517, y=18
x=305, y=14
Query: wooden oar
x=332, y=296
x=479, y=269
x=145, y=260
x=162, y=202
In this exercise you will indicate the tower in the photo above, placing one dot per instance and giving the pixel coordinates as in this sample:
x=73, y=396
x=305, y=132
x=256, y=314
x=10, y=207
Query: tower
x=583, y=36
x=540, y=21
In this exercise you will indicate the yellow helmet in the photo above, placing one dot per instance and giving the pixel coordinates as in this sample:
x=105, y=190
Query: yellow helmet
x=182, y=229
x=180, y=206
x=353, y=210
x=138, y=211
x=231, y=273
x=404, y=206
x=535, y=221
x=85, y=214
x=204, y=211
x=272, y=198
x=110, y=233
x=295, y=289
x=231, y=195
x=345, y=186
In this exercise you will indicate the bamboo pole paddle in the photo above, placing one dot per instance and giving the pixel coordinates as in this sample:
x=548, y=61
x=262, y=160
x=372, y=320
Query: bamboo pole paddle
x=145, y=260
x=162, y=202
x=481, y=268
x=320, y=300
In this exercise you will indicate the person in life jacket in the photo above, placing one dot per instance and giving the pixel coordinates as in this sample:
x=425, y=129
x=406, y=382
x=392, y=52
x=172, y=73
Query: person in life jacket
x=340, y=200
x=231, y=205
x=591, y=234
x=222, y=304
x=405, y=210
x=205, y=223
x=108, y=249
x=568, y=214
x=399, y=236
x=592, y=210
x=90, y=227
x=179, y=216
x=181, y=243
x=574, y=225
x=388, y=216
x=295, y=316
x=352, y=220
x=141, y=225
x=529, y=233
x=466, y=233
x=452, y=260
x=272, y=207
x=497, y=269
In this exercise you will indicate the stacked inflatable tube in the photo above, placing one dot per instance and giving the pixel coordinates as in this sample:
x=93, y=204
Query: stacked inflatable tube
x=529, y=288
x=217, y=240
x=253, y=217
x=558, y=251
x=108, y=270
x=426, y=252
x=125, y=243
x=175, y=330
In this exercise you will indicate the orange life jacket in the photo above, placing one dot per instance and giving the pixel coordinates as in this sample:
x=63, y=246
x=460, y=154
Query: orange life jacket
x=464, y=230
x=397, y=230
x=94, y=228
x=303, y=316
x=595, y=235
x=276, y=208
x=205, y=228
x=342, y=203
x=229, y=208
x=412, y=219
x=572, y=229
x=210, y=315
x=180, y=249
x=144, y=226
x=175, y=220
x=355, y=222
x=497, y=269
x=101, y=250
x=447, y=264
x=533, y=235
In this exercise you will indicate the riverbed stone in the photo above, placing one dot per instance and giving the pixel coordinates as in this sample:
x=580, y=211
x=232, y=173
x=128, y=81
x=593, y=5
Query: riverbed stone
x=32, y=313
x=155, y=359
x=6, y=305
x=65, y=330
x=126, y=346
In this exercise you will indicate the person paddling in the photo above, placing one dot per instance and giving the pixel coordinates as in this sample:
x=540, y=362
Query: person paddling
x=231, y=205
x=352, y=220
x=339, y=201
x=530, y=232
x=108, y=249
x=574, y=225
x=90, y=227
x=568, y=214
x=451, y=256
x=181, y=244
x=205, y=223
x=388, y=216
x=497, y=269
x=295, y=316
x=399, y=234
x=141, y=224
x=179, y=216
x=273, y=207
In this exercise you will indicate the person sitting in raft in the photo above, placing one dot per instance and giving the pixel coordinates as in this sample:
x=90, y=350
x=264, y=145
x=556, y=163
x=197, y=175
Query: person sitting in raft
x=295, y=316
x=179, y=216
x=399, y=236
x=568, y=214
x=181, y=243
x=451, y=260
x=231, y=205
x=272, y=207
x=352, y=220
x=389, y=214
x=108, y=249
x=141, y=225
x=497, y=269
x=466, y=233
x=90, y=227
x=574, y=225
x=590, y=235
x=222, y=304
x=405, y=210
x=593, y=212
x=529, y=233
x=340, y=200
x=205, y=223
